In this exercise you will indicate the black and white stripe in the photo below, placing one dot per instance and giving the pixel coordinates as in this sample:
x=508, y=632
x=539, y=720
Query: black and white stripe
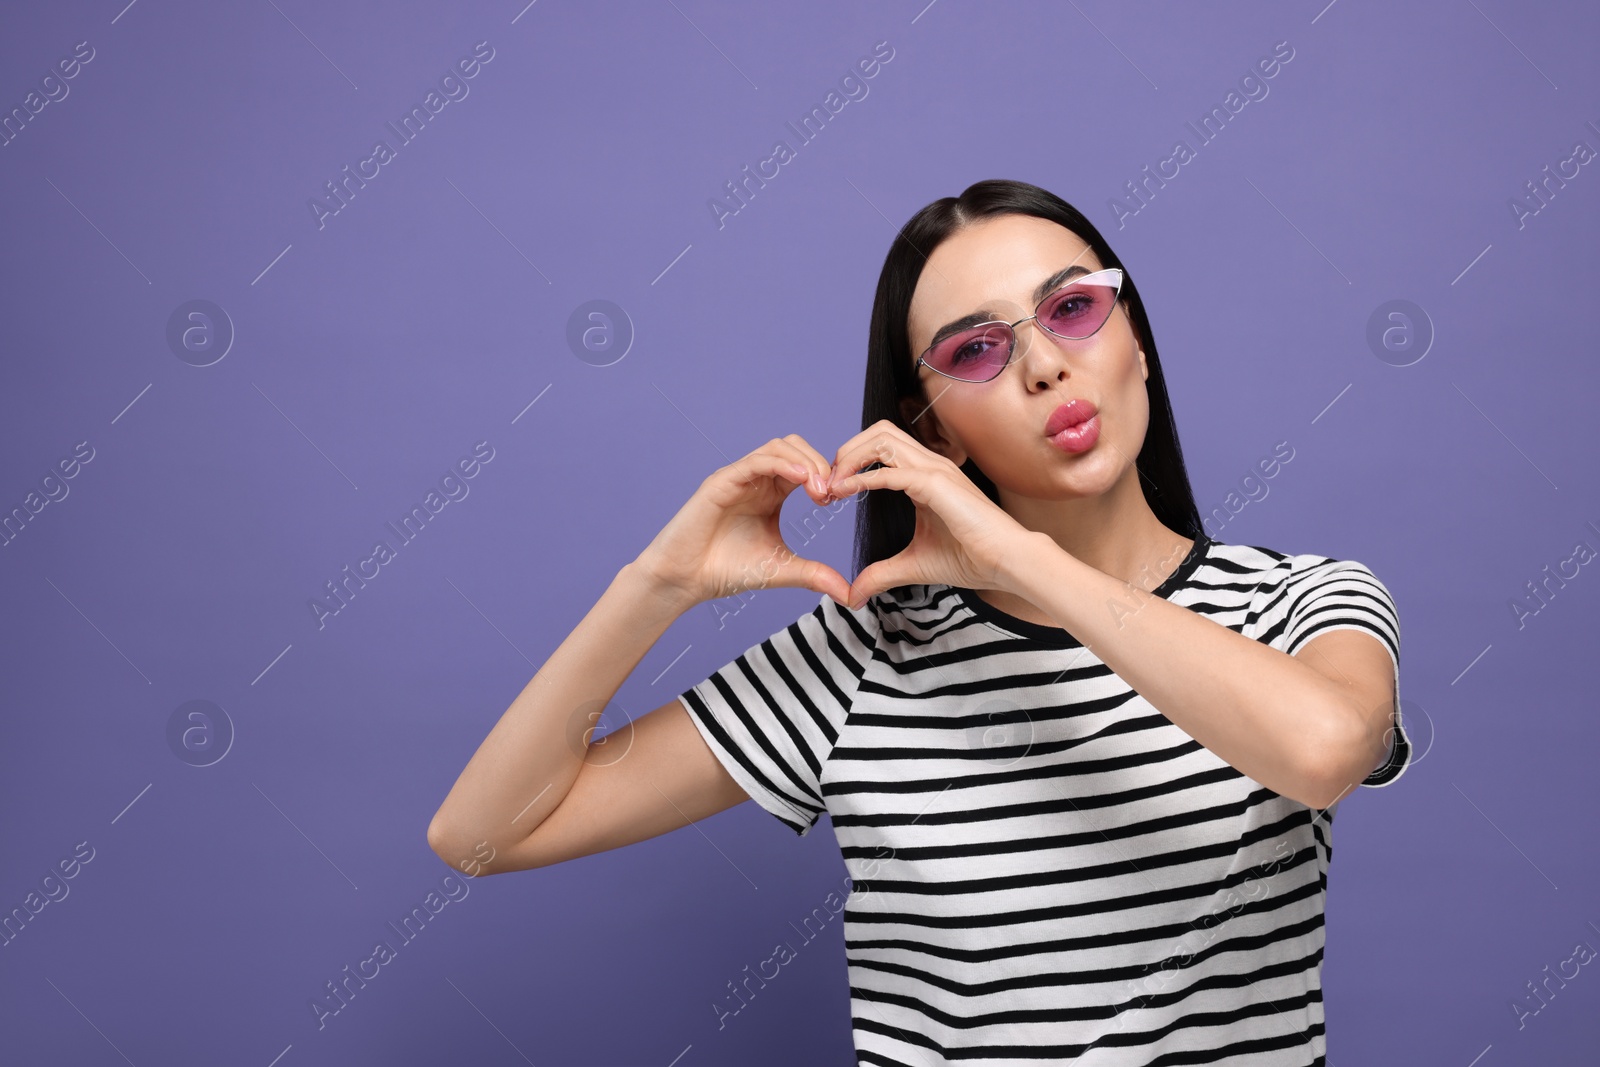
x=1045, y=867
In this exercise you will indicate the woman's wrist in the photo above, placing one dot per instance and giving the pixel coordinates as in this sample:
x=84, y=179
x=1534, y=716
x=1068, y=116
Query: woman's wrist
x=1020, y=561
x=647, y=582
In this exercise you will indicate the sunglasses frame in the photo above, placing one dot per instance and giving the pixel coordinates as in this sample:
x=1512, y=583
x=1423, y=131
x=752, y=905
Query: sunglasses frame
x=1011, y=355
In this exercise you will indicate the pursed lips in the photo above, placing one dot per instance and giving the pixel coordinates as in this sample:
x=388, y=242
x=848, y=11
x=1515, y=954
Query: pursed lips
x=1071, y=413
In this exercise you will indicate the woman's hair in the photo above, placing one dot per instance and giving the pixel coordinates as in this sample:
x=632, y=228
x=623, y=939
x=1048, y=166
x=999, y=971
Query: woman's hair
x=886, y=519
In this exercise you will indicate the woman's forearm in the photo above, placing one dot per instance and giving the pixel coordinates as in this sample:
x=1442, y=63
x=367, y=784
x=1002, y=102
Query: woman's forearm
x=1267, y=714
x=529, y=760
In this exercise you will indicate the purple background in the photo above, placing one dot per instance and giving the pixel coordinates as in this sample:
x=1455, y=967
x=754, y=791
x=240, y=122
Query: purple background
x=429, y=313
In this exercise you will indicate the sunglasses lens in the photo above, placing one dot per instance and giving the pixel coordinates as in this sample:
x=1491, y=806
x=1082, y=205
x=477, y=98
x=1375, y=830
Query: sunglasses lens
x=1077, y=311
x=974, y=355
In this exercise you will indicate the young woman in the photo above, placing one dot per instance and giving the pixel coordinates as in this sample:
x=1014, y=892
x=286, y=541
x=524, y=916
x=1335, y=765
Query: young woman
x=1081, y=758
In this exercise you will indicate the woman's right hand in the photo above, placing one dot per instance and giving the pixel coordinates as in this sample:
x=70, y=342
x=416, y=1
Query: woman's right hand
x=726, y=540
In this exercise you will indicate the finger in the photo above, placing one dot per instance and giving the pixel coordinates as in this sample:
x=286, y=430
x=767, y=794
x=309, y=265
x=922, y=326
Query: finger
x=880, y=577
x=915, y=482
x=793, y=466
x=882, y=442
x=815, y=472
x=817, y=577
x=787, y=569
x=770, y=463
x=874, y=441
x=818, y=461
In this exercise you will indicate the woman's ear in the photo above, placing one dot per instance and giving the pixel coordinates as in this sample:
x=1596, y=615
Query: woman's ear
x=1138, y=340
x=918, y=414
x=910, y=408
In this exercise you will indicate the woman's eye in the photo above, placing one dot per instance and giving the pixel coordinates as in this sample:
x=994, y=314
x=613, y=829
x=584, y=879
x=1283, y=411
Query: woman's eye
x=970, y=350
x=1072, y=306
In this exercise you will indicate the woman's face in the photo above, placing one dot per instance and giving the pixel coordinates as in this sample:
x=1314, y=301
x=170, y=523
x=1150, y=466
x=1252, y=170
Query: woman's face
x=994, y=266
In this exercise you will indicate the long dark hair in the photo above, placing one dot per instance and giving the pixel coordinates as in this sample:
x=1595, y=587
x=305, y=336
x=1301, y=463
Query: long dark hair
x=886, y=518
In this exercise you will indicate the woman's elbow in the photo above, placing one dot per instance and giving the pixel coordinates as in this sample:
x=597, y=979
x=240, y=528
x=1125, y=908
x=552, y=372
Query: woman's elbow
x=458, y=850
x=1340, y=762
x=478, y=856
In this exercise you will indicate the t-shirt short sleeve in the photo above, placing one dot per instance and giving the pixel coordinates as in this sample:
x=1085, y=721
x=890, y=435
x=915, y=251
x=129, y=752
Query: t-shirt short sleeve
x=772, y=715
x=1342, y=594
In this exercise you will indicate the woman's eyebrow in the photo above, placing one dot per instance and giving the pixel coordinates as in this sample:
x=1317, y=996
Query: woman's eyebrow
x=1048, y=286
x=983, y=315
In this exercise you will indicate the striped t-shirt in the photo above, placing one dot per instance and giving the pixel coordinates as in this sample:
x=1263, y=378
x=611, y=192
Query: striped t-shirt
x=1044, y=867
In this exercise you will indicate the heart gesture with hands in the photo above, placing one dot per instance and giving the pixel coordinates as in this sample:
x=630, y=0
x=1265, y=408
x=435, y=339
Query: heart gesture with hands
x=961, y=535
x=726, y=539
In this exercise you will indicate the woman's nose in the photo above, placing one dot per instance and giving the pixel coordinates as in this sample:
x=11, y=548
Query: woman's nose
x=1033, y=332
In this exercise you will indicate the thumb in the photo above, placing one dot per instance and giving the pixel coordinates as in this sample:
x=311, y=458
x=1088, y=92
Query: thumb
x=817, y=577
x=877, y=577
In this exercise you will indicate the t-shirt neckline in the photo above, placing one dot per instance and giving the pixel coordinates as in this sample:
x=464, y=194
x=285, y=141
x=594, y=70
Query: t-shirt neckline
x=1056, y=636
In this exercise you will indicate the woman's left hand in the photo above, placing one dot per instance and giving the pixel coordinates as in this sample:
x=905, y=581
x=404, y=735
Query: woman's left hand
x=961, y=535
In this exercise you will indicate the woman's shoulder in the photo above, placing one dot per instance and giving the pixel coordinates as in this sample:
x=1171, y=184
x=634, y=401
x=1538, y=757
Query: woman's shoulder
x=1265, y=559
x=1275, y=572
